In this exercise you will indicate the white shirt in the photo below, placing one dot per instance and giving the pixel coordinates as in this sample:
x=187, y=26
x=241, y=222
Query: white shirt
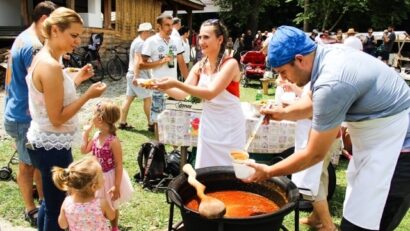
x=187, y=48
x=353, y=42
x=157, y=48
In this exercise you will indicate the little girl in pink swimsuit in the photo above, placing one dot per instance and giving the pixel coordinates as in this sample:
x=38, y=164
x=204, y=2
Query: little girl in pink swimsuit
x=81, y=210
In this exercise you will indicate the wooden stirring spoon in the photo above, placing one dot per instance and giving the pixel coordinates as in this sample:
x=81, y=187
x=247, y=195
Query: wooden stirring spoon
x=209, y=207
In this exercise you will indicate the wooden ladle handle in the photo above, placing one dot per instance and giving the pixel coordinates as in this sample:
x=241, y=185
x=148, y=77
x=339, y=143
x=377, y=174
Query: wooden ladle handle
x=200, y=188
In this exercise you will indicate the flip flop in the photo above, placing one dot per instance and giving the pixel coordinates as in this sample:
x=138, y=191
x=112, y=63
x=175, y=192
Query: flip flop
x=125, y=126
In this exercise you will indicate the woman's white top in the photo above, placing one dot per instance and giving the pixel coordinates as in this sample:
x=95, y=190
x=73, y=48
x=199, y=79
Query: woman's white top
x=42, y=133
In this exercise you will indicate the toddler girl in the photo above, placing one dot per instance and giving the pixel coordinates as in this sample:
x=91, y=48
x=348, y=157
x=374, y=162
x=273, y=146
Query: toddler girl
x=81, y=210
x=107, y=148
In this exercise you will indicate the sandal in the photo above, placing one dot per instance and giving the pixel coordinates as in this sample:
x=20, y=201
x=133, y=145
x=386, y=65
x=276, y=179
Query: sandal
x=31, y=217
x=125, y=126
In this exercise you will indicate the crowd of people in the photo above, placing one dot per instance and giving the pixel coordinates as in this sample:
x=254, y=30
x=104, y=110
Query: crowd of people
x=42, y=105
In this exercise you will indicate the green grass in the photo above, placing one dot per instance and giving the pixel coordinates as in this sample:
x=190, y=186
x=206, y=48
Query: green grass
x=149, y=210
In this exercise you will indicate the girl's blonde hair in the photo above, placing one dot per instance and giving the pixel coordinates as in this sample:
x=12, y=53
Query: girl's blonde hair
x=109, y=113
x=61, y=17
x=84, y=176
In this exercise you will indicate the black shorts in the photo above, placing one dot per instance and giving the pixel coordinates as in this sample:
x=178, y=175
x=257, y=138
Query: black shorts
x=385, y=55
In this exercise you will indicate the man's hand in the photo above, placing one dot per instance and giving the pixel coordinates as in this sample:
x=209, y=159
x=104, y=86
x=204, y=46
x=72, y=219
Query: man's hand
x=261, y=172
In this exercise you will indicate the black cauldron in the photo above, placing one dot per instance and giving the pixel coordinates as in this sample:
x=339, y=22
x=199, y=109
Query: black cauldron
x=278, y=189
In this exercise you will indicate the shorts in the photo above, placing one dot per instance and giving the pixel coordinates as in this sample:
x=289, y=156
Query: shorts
x=18, y=131
x=157, y=106
x=385, y=55
x=133, y=90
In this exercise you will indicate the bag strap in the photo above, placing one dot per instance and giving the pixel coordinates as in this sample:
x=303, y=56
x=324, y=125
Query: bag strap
x=149, y=161
x=140, y=159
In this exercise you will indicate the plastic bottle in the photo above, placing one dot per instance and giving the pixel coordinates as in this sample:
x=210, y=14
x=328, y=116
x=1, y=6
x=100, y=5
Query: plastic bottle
x=171, y=55
x=258, y=95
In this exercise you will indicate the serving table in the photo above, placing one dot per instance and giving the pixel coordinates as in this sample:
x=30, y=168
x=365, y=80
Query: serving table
x=178, y=126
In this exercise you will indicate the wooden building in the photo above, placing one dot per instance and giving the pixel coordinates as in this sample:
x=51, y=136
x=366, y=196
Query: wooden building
x=117, y=19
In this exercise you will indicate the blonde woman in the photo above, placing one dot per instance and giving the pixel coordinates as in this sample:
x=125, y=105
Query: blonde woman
x=53, y=104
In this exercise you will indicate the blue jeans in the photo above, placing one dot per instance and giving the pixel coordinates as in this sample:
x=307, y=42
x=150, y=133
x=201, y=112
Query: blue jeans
x=53, y=198
x=157, y=106
x=18, y=131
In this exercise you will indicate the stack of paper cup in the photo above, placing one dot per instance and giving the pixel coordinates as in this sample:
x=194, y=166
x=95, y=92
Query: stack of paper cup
x=239, y=160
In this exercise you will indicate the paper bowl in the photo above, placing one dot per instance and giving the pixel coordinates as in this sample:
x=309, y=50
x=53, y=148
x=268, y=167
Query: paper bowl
x=243, y=171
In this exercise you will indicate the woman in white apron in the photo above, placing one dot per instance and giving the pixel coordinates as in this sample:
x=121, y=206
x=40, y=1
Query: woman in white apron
x=215, y=79
x=315, y=179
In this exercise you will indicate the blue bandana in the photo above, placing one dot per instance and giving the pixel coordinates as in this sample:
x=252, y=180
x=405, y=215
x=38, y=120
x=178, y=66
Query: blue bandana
x=286, y=43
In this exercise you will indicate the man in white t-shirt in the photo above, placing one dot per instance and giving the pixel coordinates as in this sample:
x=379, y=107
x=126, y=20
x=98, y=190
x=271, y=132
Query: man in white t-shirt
x=156, y=56
x=182, y=70
x=352, y=41
x=144, y=32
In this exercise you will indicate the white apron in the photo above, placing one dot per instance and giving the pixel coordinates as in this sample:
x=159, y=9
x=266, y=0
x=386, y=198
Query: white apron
x=221, y=128
x=310, y=177
x=376, y=147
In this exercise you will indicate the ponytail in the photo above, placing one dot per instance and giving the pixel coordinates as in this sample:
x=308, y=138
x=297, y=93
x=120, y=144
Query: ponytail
x=60, y=178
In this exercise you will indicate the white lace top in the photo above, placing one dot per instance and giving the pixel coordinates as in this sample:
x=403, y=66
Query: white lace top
x=42, y=133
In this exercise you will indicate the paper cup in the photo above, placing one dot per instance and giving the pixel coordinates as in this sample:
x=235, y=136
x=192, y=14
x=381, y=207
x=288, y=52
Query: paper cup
x=243, y=171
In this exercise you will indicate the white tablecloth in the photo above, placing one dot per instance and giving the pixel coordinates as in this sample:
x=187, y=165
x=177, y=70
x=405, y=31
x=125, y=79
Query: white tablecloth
x=175, y=128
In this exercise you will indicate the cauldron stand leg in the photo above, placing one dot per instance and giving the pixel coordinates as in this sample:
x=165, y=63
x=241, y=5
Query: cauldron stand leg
x=171, y=217
x=297, y=215
x=220, y=226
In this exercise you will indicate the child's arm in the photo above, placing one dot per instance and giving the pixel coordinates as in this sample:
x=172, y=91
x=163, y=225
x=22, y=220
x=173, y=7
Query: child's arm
x=62, y=220
x=117, y=152
x=107, y=210
x=87, y=143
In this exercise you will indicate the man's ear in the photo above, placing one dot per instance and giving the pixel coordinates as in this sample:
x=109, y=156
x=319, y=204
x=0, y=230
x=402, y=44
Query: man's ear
x=42, y=18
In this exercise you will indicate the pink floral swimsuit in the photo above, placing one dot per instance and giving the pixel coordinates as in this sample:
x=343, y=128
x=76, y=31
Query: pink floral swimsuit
x=104, y=153
x=84, y=216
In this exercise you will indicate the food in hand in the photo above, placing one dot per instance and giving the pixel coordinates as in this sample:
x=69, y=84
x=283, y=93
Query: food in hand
x=72, y=69
x=146, y=83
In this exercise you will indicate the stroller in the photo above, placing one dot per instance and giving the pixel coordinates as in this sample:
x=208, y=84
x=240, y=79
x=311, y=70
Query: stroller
x=6, y=171
x=253, y=66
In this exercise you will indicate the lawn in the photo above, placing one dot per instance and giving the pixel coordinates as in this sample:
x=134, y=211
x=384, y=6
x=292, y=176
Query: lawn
x=149, y=210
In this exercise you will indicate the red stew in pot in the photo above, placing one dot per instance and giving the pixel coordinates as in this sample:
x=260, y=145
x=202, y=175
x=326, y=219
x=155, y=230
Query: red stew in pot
x=239, y=204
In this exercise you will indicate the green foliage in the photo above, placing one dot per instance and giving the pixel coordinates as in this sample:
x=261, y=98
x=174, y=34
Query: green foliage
x=327, y=14
x=236, y=11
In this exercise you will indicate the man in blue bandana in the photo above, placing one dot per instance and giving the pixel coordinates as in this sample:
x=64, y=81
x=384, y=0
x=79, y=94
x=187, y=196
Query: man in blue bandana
x=351, y=86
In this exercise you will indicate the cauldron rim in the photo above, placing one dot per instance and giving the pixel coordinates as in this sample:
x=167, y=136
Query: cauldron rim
x=283, y=210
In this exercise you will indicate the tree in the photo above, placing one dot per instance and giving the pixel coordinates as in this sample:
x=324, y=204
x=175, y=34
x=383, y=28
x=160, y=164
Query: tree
x=236, y=12
x=386, y=13
x=326, y=14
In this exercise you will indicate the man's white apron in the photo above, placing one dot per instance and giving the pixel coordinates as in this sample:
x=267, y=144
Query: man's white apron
x=376, y=147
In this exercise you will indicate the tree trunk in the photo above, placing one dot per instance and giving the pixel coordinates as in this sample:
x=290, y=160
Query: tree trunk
x=305, y=20
x=253, y=19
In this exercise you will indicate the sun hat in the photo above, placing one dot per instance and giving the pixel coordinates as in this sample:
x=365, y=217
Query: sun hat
x=286, y=43
x=146, y=26
x=351, y=31
x=315, y=31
